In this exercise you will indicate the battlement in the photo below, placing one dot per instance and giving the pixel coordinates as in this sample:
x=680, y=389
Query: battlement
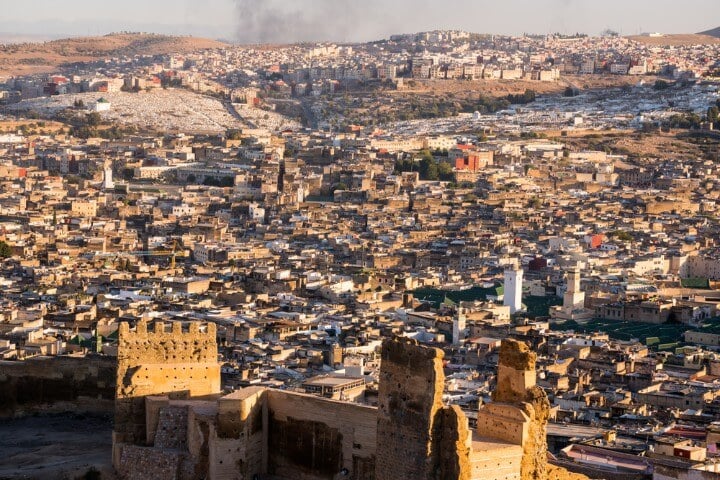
x=167, y=343
x=176, y=329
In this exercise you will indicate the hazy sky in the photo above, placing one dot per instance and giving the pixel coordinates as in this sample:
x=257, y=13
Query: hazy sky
x=348, y=20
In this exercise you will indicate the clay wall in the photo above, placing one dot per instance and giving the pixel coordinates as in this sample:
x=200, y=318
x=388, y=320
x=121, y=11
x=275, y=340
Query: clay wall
x=312, y=438
x=57, y=384
x=503, y=422
x=495, y=461
x=520, y=409
x=410, y=396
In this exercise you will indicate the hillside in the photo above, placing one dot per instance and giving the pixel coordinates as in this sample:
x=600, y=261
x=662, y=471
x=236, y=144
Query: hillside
x=27, y=58
x=676, y=40
x=715, y=32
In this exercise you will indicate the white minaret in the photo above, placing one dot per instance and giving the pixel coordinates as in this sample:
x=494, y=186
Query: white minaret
x=459, y=324
x=108, y=183
x=513, y=288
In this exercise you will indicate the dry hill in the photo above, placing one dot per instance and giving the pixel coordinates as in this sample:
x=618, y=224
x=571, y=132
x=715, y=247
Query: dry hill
x=27, y=58
x=676, y=40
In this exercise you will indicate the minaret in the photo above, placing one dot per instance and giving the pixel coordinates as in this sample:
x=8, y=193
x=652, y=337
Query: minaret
x=513, y=288
x=459, y=324
x=574, y=298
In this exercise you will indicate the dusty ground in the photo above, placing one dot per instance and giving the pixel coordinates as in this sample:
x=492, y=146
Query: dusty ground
x=55, y=447
x=45, y=57
x=636, y=144
x=500, y=88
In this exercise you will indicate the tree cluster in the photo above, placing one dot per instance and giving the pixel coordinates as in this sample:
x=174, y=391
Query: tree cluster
x=523, y=98
x=427, y=167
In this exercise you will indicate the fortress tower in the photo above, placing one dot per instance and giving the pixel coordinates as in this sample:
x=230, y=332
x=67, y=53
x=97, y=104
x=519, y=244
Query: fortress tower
x=166, y=360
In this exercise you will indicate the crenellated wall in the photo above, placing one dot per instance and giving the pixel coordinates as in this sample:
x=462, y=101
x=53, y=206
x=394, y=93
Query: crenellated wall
x=163, y=360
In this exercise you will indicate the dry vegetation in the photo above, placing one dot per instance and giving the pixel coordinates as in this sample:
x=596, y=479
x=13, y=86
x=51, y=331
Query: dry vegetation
x=646, y=145
x=46, y=126
x=28, y=58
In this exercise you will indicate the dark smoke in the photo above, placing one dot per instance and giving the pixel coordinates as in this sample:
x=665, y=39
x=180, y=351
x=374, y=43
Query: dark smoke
x=290, y=21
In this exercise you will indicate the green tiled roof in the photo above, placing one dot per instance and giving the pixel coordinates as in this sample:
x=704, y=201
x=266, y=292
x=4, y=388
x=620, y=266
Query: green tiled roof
x=437, y=296
x=695, y=283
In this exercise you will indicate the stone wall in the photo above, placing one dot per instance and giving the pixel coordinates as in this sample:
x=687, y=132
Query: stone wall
x=45, y=384
x=139, y=463
x=177, y=362
x=493, y=460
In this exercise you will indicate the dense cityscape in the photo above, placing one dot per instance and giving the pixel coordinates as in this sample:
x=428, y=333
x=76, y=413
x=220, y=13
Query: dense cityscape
x=444, y=255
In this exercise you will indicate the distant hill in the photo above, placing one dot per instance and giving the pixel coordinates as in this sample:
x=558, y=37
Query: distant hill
x=676, y=40
x=715, y=32
x=45, y=57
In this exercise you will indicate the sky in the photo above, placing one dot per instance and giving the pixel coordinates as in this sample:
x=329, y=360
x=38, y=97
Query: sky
x=259, y=21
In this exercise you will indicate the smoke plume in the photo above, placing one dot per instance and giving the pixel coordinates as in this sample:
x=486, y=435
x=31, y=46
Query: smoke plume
x=288, y=21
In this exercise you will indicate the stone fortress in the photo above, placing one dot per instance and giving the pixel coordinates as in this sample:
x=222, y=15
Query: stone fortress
x=172, y=422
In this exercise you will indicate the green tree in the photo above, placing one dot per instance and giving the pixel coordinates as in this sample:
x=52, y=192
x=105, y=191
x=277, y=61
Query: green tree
x=5, y=250
x=233, y=134
x=712, y=114
x=445, y=171
x=93, y=119
x=338, y=186
x=661, y=85
x=432, y=172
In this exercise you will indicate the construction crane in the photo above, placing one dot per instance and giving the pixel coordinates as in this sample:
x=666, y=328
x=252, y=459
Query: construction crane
x=141, y=253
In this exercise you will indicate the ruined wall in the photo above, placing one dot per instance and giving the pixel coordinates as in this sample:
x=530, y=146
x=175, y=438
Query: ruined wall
x=57, y=384
x=520, y=409
x=176, y=362
x=257, y=432
x=238, y=448
x=313, y=438
x=456, y=445
x=410, y=397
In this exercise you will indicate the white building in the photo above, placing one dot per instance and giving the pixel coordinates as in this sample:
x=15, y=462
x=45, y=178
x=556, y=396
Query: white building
x=101, y=105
